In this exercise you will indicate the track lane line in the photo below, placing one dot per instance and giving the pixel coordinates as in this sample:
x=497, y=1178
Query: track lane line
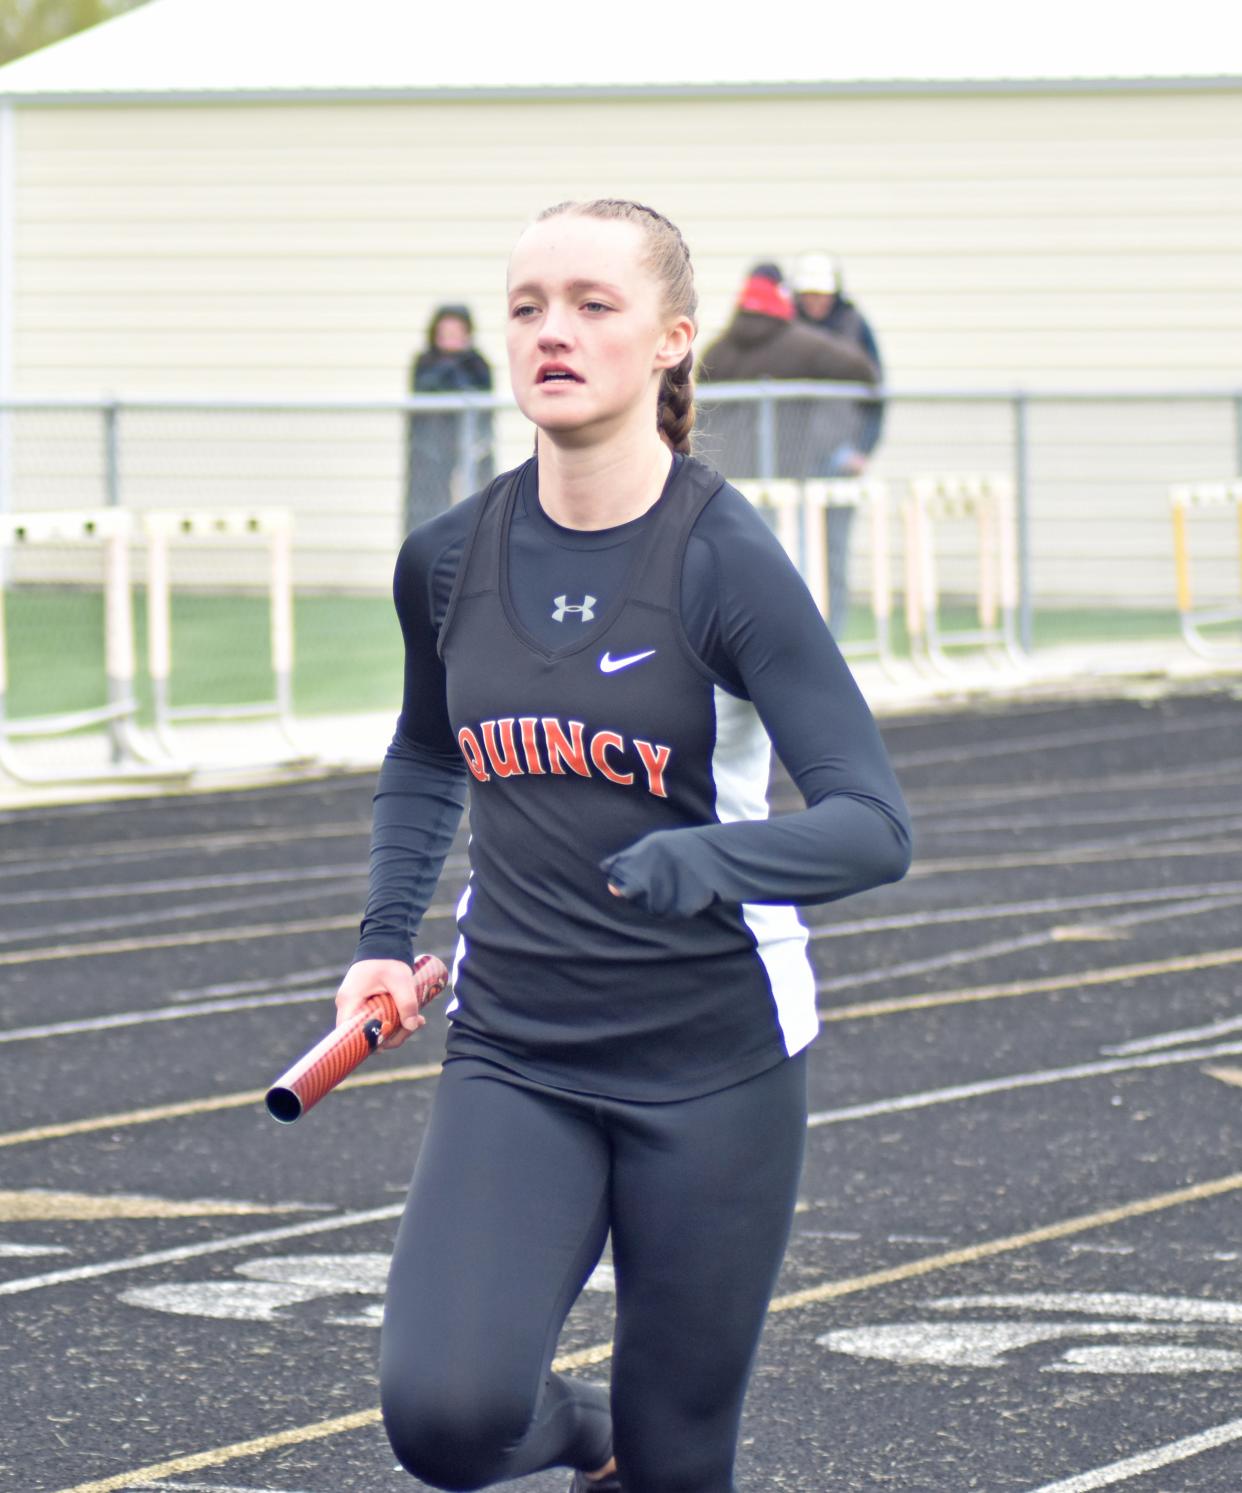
x=1074, y=856
x=1109, y=975
x=920, y=869
x=860, y=1011
x=1023, y=943
x=601, y=1352
x=1148, y=1461
x=177, y=940
x=197, y=1107
x=122, y=1019
x=955, y=1093
x=72, y=1273
x=1036, y=907
x=899, y=1104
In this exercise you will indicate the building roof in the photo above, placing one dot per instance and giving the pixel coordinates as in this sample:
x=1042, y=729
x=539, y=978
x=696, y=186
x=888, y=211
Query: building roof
x=222, y=48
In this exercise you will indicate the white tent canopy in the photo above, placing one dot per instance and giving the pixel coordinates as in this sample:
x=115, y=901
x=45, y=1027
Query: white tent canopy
x=222, y=47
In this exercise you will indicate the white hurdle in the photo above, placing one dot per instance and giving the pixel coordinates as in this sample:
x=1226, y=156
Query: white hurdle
x=272, y=527
x=987, y=499
x=1207, y=498
x=858, y=493
x=110, y=528
x=799, y=511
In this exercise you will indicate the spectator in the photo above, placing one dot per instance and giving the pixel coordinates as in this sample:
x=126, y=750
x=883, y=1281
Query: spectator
x=843, y=451
x=766, y=340
x=437, y=443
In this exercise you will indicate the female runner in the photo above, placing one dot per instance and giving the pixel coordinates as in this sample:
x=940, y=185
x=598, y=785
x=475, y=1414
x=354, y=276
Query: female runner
x=603, y=646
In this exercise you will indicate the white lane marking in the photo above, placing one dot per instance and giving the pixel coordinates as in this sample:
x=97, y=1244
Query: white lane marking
x=194, y=1251
x=1023, y=746
x=957, y=1092
x=943, y=801
x=272, y=1283
x=25, y=1251
x=1146, y=1334
x=163, y=1487
x=164, y=1013
x=983, y=1345
x=1102, y=852
x=985, y=913
x=602, y=1279
x=303, y=979
x=187, y=910
x=1141, y=1307
x=1148, y=1461
x=1146, y=815
x=22, y=863
x=1171, y=1039
x=998, y=948
x=283, y=876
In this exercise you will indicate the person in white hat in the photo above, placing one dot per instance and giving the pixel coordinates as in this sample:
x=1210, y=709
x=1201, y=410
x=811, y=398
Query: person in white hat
x=821, y=302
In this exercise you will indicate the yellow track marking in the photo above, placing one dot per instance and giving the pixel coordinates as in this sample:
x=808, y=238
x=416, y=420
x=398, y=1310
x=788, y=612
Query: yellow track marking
x=832, y=1289
x=328, y=925
x=36, y=1205
x=1226, y=1075
x=195, y=1107
x=1087, y=933
x=978, y=993
x=196, y=1461
x=601, y=1352
x=1111, y=974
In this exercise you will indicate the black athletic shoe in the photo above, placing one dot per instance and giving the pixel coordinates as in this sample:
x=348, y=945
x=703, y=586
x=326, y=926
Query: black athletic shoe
x=583, y=1484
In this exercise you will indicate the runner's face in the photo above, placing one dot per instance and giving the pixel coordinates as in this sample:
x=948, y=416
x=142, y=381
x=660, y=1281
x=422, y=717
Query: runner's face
x=587, y=338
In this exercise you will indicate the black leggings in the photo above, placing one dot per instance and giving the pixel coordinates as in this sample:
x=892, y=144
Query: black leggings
x=513, y=1197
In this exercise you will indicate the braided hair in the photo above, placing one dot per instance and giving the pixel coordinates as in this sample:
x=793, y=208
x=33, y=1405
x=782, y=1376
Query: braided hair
x=668, y=259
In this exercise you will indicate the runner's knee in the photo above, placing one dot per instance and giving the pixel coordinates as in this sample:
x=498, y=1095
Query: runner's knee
x=455, y=1438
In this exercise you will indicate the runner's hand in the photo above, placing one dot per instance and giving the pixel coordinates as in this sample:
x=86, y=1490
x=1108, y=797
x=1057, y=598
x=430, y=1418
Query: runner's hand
x=373, y=977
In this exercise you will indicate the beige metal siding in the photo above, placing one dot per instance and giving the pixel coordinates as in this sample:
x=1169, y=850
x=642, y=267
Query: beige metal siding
x=993, y=239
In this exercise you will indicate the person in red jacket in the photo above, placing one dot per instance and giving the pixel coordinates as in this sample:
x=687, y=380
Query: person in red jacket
x=765, y=340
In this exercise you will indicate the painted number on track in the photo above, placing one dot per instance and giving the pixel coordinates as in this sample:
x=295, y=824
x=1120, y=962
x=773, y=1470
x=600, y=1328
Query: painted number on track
x=1097, y=1333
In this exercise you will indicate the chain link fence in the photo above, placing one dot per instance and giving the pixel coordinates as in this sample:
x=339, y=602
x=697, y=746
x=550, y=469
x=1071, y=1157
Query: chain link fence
x=1091, y=473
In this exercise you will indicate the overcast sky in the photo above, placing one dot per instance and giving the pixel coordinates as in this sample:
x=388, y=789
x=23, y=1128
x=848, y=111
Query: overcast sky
x=418, y=43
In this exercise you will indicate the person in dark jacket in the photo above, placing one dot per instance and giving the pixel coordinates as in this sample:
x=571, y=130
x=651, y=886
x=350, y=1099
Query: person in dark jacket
x=819, y=295
x=439, y=445
x=765, y=340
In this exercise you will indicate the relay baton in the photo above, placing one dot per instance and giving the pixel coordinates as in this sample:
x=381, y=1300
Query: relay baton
x=349, y=1044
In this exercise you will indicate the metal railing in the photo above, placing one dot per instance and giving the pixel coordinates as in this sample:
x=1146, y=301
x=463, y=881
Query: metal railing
x=388, y=463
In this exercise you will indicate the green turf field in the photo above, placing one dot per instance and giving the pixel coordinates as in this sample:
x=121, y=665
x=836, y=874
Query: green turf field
x=347, y=651
x=347, y=648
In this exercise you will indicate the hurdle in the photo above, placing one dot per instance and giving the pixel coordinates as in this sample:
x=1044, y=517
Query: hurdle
x=987, y=499
x=1208, y=497
x=859, y=493
x=110, y=528
x=272, y=527
x=799, y=511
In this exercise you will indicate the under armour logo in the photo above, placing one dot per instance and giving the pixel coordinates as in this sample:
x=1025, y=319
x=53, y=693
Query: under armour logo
x=585, y=610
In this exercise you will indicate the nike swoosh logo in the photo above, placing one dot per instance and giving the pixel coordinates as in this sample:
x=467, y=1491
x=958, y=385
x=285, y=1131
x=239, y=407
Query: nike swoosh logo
x=610, y=665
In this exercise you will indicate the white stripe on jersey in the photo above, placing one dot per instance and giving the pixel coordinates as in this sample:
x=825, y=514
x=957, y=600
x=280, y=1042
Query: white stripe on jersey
x=741, y=762
x=460, y=952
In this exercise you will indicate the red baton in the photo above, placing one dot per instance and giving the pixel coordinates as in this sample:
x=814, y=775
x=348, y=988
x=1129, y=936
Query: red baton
x=347, y=1045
